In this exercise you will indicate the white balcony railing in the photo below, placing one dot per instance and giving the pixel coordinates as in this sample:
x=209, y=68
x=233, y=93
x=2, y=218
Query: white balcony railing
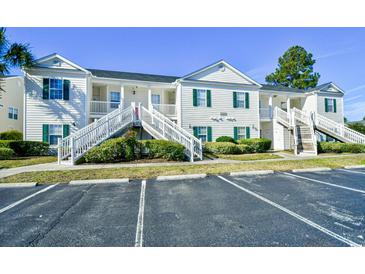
x=166, y=109
x=102, y=107
x=266, y=113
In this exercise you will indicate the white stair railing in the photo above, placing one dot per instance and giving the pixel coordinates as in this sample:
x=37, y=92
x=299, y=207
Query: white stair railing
x=77, y=144
x=162, y=127
x=282, y=116
x=338, y=130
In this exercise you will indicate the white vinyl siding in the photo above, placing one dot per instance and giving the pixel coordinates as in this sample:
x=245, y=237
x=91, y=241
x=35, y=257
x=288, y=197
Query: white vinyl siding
x=221, y=104
x=39, y=111
x=335, y=116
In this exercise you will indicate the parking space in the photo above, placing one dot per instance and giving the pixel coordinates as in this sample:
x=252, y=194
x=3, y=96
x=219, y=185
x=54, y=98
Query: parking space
x=281, y=209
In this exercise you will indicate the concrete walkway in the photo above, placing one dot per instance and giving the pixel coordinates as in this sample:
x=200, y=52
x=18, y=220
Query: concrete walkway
x=54, y=166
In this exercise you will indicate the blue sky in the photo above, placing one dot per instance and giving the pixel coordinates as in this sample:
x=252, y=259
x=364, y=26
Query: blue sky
x=339, y=52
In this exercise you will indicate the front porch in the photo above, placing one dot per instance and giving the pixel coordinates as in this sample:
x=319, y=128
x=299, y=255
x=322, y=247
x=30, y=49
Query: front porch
x=107, y=97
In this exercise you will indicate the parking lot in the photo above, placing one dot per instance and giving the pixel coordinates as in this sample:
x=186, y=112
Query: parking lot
x=281, y=209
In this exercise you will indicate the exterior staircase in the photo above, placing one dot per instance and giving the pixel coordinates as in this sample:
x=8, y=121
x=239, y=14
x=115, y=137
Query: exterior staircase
x=74, y=146
x=304, y=126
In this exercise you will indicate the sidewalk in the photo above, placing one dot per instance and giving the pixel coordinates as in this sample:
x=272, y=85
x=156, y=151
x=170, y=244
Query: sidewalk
x=54, y=166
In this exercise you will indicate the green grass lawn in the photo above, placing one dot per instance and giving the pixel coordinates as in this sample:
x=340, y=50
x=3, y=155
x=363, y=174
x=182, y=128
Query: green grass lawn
x=152, y=172
x=247, y=157
x=27, y=161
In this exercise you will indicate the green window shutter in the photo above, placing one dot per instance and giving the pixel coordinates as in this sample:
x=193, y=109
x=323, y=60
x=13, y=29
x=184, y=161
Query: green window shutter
x=235, y=99
x=66, y=130
x=334, y=105
x=195, y=132
x=195, y=98
x=325, y=104
x=209, y=98
x=248, y=136
x=235, y=133
x=66, y=89
x=209, y=133
x=247, y=100
x=45, y=88
x=45, y=133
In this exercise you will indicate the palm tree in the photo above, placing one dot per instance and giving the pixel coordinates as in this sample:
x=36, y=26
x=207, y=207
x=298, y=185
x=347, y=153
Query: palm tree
x=12, y=55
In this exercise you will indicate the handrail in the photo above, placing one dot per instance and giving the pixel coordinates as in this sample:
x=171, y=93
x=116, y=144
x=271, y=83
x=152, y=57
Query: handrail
x=165, y=128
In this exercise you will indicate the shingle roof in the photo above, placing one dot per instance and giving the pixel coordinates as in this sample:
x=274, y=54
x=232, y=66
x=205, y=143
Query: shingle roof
x=133, y=76
x=281, y=88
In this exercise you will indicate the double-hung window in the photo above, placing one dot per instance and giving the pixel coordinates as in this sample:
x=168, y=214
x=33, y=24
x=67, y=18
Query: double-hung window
x=156, y=99
x=241, y=133
x=13, y=113
x=240, y=99
x=201, y=97
x=55, y=89
x=330, y=105
x=202, y=133
x=55, y=132
x=114, y=99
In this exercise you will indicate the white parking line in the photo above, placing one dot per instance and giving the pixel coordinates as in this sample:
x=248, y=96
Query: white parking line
x=26, y=198
x=325, y=183
x=139, y=229
x=353, y=171
x=293, y=214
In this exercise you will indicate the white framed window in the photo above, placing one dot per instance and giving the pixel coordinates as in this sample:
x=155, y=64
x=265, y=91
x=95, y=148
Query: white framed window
x=55, y=89
x=202, y=133
x=201, y=97
x=114, y=99
x=156, y=99
x=241, y=99
x=330, y=105
x=55, y=133
x=241, y=133
x=13, y=113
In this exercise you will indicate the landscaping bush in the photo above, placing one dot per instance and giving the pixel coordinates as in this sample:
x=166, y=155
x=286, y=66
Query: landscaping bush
x=337, y=147
x=225, y=139
x=26, y=148
x=221, y=148
x=164, y=149
x=244, y=149
x=124, y=148
x=6, y=153
x=11, y=135
x=257, y=145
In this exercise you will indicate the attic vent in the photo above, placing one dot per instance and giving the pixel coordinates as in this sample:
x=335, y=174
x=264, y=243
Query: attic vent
x=57, y=62
x=222, y=67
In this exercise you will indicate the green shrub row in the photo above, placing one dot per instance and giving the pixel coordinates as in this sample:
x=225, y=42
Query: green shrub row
x=225, y=139
x=11, y=135
x=337, y=147
x=127, y=148
x=26, y=148
x=163, y=149
x=256, y=145
x=6, y=153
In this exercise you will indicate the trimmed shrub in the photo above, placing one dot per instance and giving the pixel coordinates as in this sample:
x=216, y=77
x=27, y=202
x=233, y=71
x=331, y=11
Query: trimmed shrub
x=337, y=147
x=11, y=135
x=26, y=148
x=221, y=148
x=164, y=149
x=225, y=139
x=244, y=149
x=110, y=151
x=257, y=144
x=6, y=153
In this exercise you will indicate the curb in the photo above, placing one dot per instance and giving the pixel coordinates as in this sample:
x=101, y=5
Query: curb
x=181, y=177
x=312, y=169
x=99, y=181
x=250, y=173
x=354, y=167
x=11, y=185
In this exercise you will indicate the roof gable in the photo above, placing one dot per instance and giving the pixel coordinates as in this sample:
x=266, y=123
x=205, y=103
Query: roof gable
x=220, y=71
x=56, y=61
x=328, y=87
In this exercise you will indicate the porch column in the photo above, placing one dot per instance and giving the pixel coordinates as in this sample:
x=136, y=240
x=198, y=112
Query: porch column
x=288, y=105
x=149, y=99
x=122, y=103
x=270, y=106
